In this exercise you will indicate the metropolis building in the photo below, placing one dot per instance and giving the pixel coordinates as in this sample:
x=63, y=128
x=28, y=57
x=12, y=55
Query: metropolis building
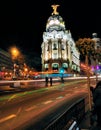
x=58, y=47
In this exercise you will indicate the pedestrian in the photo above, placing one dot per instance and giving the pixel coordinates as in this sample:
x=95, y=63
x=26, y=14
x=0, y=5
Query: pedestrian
x=62, y=80
x=97, y=102
x=46, y=79
x=50, y=81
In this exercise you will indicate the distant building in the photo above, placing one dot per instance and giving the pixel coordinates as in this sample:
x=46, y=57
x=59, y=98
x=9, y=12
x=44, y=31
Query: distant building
x=58, y=47
x=5, y=62
x=96, y=63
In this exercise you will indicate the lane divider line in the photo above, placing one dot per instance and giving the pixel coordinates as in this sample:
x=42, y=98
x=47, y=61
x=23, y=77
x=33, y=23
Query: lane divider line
x=7, y=118
x=30, y=108
x=59, y=97
x=48, y=102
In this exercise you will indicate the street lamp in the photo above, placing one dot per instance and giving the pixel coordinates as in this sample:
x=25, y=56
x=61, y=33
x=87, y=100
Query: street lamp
x=14, y=53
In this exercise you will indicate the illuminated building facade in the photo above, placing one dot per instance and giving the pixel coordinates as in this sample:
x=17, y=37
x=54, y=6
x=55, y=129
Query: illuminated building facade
x=5, y=62
x=96, y=63
x=58, y=46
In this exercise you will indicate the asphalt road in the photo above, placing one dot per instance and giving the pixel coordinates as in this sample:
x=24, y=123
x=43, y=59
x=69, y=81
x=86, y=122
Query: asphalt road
x=22, y=109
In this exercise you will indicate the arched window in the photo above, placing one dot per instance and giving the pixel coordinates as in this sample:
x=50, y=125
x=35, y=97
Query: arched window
x=65, y=65
x=46, y=66
x=55, y=66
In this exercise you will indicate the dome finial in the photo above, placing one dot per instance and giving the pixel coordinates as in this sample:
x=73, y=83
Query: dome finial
x=55, y=9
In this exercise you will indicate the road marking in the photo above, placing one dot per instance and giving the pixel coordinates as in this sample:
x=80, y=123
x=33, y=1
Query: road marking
x=7, y=118
x=59, y=97
x=48, y=102
x=12, y=97
x=30, y=108
x=69, y=94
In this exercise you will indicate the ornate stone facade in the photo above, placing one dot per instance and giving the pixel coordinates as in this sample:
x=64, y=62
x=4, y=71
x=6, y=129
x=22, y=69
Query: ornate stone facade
x=58, y=46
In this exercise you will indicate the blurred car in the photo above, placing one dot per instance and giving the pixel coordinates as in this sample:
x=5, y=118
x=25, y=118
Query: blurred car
x=37, y=76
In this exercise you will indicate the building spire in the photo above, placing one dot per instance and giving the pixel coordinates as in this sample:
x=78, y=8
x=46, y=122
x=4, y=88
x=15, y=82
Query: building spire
x=55, y=9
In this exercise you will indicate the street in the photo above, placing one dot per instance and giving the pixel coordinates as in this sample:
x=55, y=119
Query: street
x=24, y=108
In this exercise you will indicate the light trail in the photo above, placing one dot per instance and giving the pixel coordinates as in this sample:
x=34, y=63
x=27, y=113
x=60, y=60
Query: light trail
x=7, y=118
x=31, y=108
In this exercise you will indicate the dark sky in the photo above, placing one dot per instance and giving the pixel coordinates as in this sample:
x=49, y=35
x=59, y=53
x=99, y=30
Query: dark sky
x=22, y=23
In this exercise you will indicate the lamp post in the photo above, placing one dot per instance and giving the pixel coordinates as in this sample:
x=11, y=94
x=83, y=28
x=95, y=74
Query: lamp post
x=14, y=53
x=88, y=83
x=86, y=48
x=96, y=68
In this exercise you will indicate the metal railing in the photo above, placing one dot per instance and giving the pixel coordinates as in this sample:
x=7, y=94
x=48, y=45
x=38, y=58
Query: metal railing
x=70, y=118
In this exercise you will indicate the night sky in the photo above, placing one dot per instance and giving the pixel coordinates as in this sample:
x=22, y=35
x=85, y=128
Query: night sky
x=22, y=23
